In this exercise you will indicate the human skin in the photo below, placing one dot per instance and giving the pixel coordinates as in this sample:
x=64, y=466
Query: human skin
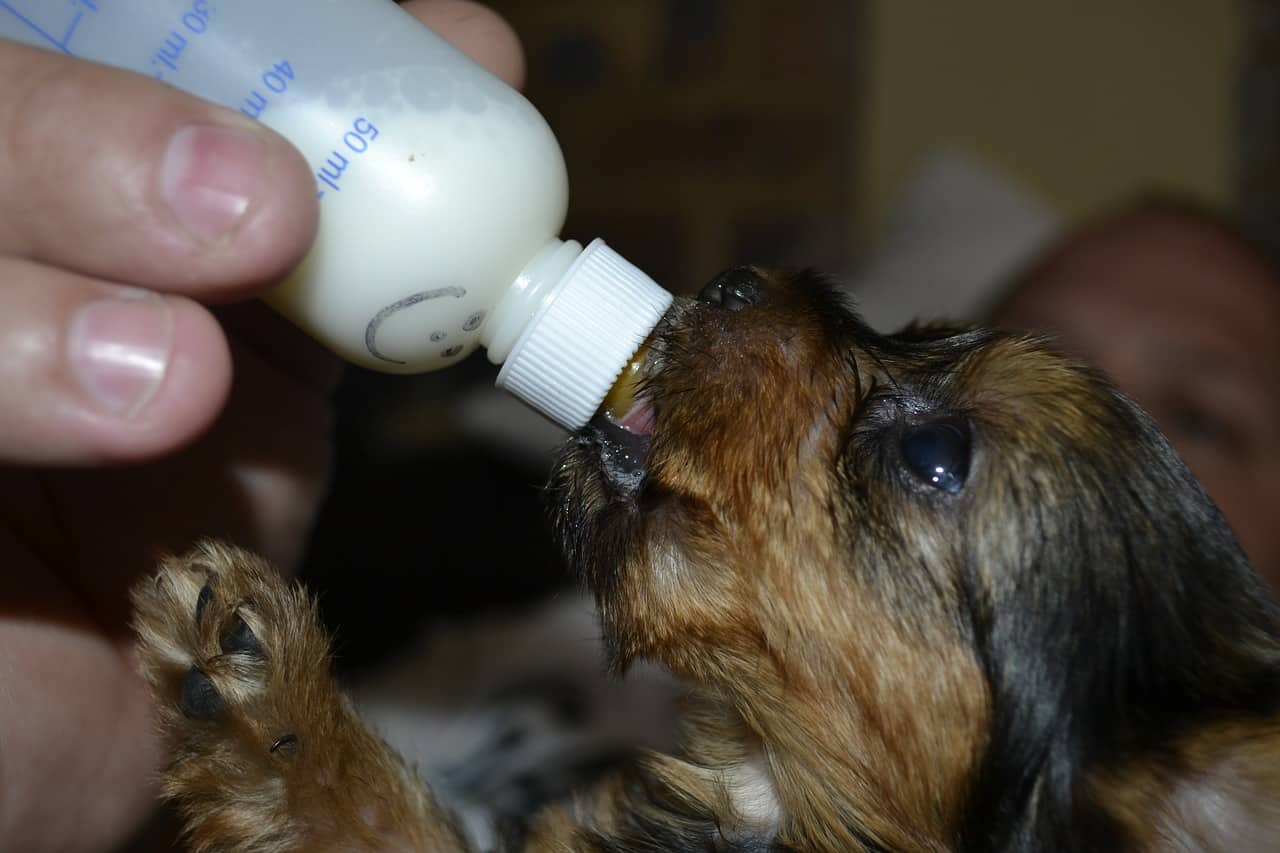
x=1185, y=320
x=122, y=432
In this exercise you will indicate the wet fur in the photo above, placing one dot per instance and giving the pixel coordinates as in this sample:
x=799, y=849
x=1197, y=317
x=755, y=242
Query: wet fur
x=1071, y=653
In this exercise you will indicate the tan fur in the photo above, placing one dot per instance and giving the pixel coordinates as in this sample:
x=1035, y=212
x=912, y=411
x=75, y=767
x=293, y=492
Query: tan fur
x=1214, y=790
x=839, y=703
x=769, y=612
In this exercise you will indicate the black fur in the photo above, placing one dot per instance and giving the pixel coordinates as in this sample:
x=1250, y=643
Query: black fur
x=1137, y=614
x=1127, y=614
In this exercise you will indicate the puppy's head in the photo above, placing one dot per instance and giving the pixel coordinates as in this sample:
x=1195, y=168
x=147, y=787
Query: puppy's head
x=937, y=572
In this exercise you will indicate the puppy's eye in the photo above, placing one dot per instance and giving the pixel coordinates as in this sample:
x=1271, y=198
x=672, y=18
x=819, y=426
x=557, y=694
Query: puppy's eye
x=938, y=453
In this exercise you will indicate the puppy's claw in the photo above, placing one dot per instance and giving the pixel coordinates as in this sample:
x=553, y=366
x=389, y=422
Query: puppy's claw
x=288, y=744
x=240, y=639
x=202, y=602
x=200, y=698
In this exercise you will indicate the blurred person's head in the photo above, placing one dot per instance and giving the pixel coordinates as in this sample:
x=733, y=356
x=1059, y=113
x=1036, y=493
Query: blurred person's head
x=1184, y=315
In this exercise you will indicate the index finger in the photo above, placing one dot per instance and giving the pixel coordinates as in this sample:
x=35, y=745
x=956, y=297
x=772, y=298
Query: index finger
x=116, y=176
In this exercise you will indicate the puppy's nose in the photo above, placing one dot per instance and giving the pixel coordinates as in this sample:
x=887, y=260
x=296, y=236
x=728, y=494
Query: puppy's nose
x=732, y=290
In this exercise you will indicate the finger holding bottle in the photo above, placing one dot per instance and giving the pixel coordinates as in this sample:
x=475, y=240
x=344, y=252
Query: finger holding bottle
x=122, y=200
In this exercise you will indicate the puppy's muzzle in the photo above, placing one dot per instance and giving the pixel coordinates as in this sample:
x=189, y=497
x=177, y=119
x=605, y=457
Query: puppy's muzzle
x=624, y=427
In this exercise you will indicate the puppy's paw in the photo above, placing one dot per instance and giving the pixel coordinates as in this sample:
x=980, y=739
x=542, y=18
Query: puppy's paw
x=263, y=751
x=239, y=669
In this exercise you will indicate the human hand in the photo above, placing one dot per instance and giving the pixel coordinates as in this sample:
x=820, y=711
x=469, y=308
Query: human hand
x=127, y=209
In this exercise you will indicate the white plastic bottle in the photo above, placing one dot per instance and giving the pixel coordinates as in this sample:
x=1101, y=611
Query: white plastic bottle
x=442, y=191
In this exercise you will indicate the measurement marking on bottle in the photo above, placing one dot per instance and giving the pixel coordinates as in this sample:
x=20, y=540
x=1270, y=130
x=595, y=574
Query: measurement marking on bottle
x=55, y=23
x=193, y=23
x=275, y=80
x=354, y=143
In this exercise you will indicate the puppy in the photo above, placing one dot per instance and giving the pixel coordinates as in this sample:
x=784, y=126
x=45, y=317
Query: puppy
x=938, y=591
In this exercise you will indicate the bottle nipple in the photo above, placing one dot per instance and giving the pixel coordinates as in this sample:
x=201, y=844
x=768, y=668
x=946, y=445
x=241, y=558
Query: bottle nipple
x=626, y=405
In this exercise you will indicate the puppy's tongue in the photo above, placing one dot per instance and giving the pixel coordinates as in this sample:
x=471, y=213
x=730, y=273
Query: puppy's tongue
x=638, y=419
x=622, y=405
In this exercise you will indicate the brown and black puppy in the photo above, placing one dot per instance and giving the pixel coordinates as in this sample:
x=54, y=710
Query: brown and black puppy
x=944, y=590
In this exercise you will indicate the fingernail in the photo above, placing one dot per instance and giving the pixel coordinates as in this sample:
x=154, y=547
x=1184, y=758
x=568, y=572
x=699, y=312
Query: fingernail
x=120, y=350
x=210, y=175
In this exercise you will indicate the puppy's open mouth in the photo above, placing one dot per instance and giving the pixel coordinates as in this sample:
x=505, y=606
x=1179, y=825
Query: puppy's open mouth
x=625, y=423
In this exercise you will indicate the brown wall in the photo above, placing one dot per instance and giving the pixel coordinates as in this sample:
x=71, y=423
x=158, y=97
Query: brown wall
x=1082, y=101
x=700, y=133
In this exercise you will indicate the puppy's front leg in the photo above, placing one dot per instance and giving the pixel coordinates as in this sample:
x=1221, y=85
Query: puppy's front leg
x=264, y=752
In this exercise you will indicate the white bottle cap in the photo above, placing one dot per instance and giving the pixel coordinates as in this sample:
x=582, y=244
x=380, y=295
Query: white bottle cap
x=576, y=345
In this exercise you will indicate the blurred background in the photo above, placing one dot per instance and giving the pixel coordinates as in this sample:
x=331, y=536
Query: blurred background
x=921, y=151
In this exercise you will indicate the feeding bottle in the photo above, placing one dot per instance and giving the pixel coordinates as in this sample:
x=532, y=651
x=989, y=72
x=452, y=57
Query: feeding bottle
x=441, y=189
